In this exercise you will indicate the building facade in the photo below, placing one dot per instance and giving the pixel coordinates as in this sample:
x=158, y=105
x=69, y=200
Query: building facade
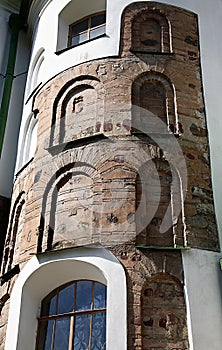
x=111, y=226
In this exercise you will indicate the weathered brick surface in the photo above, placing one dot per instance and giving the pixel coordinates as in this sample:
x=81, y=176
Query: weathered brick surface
x=86, y=183
x=156, y=305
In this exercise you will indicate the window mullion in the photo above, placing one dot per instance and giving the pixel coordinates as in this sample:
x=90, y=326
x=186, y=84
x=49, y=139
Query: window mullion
x=89, y=27
x=91, y=318
x=53, y=335
x=71, y=332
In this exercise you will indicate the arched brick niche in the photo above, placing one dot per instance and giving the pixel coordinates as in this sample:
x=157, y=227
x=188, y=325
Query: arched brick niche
x=67, y=214
x=153, y=99
x=77, y=110
x=85, y=203
x=164, y=324
x=158, y=197
x=117, y=195
x=150, y=32
x=14, y=234
x=146, y=28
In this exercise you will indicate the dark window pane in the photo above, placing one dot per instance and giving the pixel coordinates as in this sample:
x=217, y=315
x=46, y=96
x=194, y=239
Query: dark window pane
x=97, y=32
x=80, y=27
x=49, y=305
x=66, y=300
x=45, y=335
x=52, y=308
x=48, y=341
x=97, y=20
x=84, y=295
x=62, y=334
x=82, y=332
x=99, y=332
x=99, y=296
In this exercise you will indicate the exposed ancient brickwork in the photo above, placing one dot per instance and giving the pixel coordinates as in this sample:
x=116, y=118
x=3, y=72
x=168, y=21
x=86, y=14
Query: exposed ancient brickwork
x=156, y=305
x=118, y=139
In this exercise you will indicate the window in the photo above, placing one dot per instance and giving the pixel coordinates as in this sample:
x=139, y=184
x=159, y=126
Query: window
x=87, y=28
x=73, y=317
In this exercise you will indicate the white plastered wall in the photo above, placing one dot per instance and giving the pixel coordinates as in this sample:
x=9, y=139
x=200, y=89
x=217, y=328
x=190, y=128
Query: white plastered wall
x=203, y=286
x=45, y=272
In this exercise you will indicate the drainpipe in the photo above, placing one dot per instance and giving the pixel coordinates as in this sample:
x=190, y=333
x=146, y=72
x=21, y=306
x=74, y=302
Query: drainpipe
x=16, y=22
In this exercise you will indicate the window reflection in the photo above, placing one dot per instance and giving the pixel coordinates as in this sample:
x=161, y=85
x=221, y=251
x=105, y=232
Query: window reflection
x=61, y=338
x=66, y=300
x=84, y=295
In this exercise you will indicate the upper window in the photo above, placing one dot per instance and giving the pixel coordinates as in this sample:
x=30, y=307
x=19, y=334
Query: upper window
x=73, y=317
x=87, y=28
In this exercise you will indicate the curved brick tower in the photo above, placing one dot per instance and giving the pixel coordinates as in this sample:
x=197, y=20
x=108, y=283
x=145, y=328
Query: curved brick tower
x=113, y=185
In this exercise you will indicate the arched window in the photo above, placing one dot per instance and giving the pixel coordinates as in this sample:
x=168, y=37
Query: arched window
x=73, y=317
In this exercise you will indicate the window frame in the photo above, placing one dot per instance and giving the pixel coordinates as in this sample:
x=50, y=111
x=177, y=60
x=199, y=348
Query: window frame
x=88, y=30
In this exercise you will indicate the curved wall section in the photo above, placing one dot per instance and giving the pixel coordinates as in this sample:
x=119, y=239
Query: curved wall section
x=122, y=164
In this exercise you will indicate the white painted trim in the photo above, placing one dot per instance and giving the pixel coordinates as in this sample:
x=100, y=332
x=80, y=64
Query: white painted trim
x=203, y=282
x=45, y=272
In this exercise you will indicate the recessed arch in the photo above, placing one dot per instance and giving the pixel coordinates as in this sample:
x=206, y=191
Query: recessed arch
x=34, y=75
x=151, y=32
x=66, y=124
x=12, y=235
x=159, y=202
x=164, y=318
x=154, y=104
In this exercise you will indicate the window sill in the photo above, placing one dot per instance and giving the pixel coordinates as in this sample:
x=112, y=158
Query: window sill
x=59, y=52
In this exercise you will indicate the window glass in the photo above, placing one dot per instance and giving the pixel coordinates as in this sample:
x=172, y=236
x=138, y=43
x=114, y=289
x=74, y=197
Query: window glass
x=45, y=335
x=98, y=331
x=80, y=27
x=80, y=38
x=61, y=338
x=82, y=332
x=97, y=32
x=66, y=300
x=84, y=295
x=98, y=20
x=52, y=309
x=99, y=296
